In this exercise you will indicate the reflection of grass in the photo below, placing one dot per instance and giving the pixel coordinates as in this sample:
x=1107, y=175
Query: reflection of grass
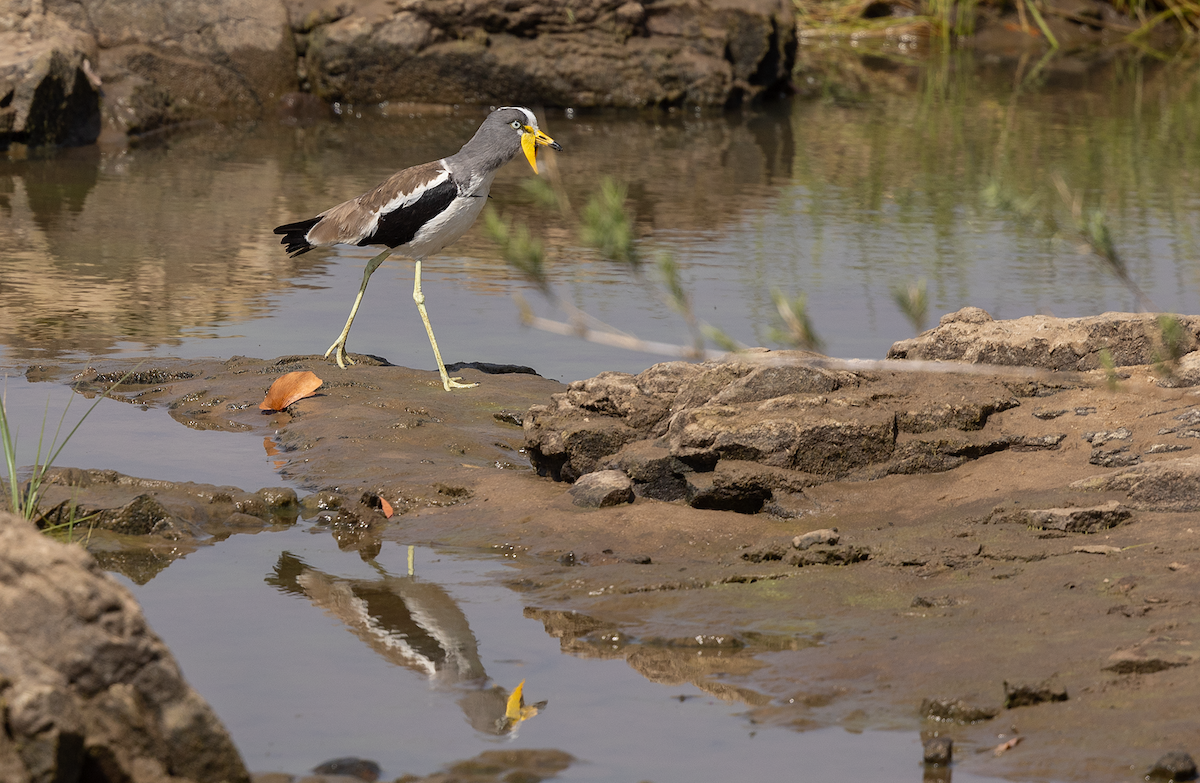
x=932, y=163
x=913, y=301
x=607, y=226
x=950, y=19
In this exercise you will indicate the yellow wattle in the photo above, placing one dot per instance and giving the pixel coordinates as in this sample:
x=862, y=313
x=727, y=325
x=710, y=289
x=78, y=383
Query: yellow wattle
x=529, y=145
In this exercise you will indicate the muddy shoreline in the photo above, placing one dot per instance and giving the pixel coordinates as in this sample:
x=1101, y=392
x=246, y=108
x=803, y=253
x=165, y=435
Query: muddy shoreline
x=963, y=590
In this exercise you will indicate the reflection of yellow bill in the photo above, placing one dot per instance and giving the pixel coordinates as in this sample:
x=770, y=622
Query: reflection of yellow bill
x=516, y=711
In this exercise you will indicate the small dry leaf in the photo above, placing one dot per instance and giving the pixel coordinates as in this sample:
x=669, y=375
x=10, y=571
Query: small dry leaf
x=387, y=508
x=289, y=388
x=1012, y=743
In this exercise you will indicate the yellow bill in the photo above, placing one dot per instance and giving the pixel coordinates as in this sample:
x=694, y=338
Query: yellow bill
x=533, y=138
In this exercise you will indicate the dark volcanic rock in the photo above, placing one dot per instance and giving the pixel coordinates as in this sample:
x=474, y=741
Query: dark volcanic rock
x=970, y=335
x=87, y=686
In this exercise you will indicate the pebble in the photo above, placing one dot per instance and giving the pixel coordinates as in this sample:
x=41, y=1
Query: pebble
x=1176, y=766
x=939, y=750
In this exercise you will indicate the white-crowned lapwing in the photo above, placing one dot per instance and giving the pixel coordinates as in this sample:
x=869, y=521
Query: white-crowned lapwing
x=420, y=210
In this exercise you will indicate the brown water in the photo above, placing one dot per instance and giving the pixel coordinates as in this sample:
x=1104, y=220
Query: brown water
x=166, y=248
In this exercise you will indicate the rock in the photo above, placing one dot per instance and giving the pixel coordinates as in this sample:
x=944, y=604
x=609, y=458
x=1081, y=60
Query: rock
x=159, y=61
x=742, y=433
x=1173, y=766
x=1096, y=549
x=566, y=448
x=47, y=92
x=828, y=555
x=1154, y=654
x=1167, y=448
x=1114, y=458
x=970, y=335
x=827, y=536
x=602, y=488
x=1069, y=520
x=1169, y=485
x=87, y=684
x=743, y=491
x=599, y=53
x=655, y=472
x=350, y=766
x=1186, y=372
x=956, y=710
x=1100, y=438
x=938, y=750
x=1029, y=695
x=140, y=517
x=766, y=551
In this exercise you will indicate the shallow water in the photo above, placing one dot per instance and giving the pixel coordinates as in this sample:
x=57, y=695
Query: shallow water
x=297, y=682
x=166, y=249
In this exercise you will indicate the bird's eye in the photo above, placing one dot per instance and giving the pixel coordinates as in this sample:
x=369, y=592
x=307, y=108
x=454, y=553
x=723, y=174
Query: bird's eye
x=516, y=124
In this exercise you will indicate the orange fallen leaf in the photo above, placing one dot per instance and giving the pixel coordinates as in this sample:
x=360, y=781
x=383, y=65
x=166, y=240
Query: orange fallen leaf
x=1012, y=743
x=387, y=507
x=288, y=388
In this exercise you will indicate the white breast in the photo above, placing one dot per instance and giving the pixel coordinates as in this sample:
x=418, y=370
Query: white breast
x=450, y=224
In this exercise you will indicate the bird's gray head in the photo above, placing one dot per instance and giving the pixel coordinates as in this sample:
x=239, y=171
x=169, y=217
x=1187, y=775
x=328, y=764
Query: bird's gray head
x=507, y=131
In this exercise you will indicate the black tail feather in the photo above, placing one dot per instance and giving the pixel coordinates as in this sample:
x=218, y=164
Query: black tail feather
x=294, y=236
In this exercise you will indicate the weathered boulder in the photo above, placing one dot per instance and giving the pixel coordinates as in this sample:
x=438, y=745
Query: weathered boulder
x=579, y=54
x=90, y=691
x=1069, y=520
x=970, y=335
x=602, y=488
x=48, y=92
x=754, y=431
x=1168, y=485
x=159, y=61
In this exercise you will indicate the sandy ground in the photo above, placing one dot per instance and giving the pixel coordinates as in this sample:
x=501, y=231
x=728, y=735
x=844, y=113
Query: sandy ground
x=958, y=597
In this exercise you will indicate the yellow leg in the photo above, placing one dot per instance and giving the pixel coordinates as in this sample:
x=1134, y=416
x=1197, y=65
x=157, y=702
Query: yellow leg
x=448, y=383
x=340, y=344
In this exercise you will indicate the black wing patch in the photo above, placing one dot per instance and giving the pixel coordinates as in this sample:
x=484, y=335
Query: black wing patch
x=294, y=236
x=400, y=225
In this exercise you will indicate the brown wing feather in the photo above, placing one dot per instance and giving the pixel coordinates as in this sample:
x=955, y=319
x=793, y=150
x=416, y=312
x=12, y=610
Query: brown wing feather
x=350, y=221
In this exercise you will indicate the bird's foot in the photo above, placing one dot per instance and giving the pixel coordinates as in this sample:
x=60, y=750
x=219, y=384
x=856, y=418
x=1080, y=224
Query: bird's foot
x=454, y=383
x=342, y=357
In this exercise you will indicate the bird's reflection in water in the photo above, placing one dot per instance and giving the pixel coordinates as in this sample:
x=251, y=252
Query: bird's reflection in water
x=410, y=623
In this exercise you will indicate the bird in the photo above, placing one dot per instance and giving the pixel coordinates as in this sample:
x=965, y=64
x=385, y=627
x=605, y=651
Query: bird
x=420, y=210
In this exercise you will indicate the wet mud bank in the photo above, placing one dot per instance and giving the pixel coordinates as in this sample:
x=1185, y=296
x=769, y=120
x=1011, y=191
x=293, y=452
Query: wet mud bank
x=1007, y=552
